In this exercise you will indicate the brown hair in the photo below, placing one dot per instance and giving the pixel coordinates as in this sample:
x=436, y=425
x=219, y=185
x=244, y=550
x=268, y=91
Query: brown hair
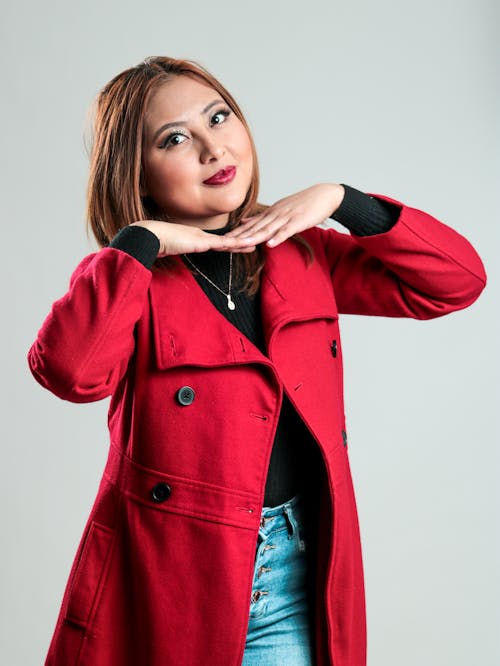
x=116, y=175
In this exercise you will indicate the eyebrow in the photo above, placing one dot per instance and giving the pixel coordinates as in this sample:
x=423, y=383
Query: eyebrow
x=181, y=122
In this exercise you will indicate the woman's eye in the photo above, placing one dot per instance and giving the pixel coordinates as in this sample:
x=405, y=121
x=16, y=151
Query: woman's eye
x=169, y=140
x=176, y=138
x=223, y=112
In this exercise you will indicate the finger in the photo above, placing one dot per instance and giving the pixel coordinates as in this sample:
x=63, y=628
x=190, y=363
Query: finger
x=265, y=233
x=240, y=229
x=254, y=222
x=243, y=250
x=235, y=246
x=225, y=241
x=260, y=227
x=285, y=232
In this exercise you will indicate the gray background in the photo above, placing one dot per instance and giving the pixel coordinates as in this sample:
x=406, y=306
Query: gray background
x=390, y=97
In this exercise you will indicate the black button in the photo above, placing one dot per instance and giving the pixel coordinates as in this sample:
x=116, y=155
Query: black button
x=333, y=347
x=161, y=492
x=344, y=437
x=185, y=395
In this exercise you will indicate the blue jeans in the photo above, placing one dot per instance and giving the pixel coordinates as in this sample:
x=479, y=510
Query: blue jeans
x=280, y=627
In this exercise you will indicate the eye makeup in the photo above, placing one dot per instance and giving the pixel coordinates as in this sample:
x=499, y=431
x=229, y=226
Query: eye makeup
x=224, y=111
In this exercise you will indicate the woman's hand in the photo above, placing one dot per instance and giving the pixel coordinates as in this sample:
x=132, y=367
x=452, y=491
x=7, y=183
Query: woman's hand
x=182, y=238
x=290, y=215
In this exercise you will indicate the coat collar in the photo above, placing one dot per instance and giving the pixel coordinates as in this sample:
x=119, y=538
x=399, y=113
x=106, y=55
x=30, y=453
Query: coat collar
x=189, y=330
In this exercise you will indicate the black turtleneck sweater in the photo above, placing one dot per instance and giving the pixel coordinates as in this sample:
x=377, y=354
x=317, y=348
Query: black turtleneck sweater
x=295, y=457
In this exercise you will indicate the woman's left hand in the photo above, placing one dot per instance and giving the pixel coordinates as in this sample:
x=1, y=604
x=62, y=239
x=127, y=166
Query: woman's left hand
x=290, y=215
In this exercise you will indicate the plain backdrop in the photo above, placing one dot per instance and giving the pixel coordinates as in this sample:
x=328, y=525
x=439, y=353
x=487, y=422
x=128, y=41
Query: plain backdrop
x=392, y=97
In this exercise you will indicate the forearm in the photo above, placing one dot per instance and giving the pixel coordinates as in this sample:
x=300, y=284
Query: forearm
x=85, y=343
x=419, y=268
x=365, y=215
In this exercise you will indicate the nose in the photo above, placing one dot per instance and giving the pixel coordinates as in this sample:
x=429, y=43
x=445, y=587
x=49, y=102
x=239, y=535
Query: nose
x=211, y=149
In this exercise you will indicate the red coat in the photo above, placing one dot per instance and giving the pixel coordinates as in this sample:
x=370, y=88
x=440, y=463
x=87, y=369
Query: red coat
x=163, y=573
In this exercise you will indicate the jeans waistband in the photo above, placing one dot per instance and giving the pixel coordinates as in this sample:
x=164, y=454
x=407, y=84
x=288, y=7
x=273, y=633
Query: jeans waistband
x=289, y=513
x=295, y=505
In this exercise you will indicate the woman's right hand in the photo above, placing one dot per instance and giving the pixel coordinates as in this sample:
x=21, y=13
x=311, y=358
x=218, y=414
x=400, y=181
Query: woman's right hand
x=182, y=238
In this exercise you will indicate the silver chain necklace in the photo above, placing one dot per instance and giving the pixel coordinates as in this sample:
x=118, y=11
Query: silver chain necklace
x=230, y=302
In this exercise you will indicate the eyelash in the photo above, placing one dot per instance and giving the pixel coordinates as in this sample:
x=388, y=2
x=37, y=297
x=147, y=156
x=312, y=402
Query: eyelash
x=224, y=111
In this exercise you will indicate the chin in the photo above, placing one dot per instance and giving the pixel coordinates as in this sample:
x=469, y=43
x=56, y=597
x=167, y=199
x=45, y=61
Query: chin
x=237, y=200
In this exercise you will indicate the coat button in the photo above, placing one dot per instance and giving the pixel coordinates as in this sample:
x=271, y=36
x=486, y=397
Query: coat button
x=333, y=347
x=185, y=395
x=160, y=492
x=344, y=437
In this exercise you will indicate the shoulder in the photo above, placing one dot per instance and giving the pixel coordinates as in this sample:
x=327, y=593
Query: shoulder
x=327, y=243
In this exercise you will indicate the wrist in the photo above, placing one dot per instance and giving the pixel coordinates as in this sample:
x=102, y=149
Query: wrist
x=338, y=193
x=365, y=215
x=138, y=241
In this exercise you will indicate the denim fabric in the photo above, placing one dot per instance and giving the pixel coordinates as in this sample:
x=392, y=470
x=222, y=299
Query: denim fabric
x=280, y=627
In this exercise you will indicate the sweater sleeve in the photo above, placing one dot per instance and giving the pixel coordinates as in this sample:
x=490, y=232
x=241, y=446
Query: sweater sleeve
x=365, y=215
x=139, y=243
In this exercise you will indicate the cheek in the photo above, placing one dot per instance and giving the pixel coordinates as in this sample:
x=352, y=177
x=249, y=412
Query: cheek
x=244, y=154
x=168, y=176
x=246, y=146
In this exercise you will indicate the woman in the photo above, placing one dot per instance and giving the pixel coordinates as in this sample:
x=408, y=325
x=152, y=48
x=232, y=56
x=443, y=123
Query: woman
x=225, y=528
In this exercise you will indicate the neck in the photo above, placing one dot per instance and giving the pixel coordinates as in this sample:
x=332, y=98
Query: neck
x=220, y=231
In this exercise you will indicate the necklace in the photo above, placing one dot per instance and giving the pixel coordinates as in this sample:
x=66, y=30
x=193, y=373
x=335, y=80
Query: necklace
x=230, y=302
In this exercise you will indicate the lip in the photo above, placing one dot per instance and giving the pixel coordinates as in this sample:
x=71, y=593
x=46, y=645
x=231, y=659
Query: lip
x=223, y=176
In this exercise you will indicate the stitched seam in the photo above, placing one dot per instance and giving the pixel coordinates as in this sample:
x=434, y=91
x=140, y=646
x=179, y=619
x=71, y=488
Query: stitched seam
x=442, y=252
x=137, y=468
x=97, y=343
x=191, y=513
x=191, y=485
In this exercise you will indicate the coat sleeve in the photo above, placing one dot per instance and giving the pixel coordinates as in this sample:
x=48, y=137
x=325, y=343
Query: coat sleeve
x=419, y=268
x=84, y=345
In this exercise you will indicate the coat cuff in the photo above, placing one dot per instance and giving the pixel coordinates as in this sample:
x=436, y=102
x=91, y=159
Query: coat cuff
x=139, y=242
x=365, y=215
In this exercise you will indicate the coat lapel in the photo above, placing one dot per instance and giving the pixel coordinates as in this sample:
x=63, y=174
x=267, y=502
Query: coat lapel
x=189, y=330
x=293, y=290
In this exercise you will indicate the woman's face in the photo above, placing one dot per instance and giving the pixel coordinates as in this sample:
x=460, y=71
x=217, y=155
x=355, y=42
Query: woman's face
x=203, y=136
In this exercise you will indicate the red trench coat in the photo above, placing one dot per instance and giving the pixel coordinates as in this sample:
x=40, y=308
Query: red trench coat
x=163, y=573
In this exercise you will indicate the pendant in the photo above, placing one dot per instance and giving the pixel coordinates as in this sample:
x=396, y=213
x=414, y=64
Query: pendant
x=230, y=303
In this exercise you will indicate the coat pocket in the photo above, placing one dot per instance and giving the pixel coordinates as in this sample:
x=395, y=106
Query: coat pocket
x=88, y=574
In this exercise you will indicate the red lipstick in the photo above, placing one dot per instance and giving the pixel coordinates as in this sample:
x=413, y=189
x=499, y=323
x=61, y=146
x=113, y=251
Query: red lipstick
x=221, y=177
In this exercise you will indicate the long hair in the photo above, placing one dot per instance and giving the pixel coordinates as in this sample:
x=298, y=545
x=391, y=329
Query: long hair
x=116, y=175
